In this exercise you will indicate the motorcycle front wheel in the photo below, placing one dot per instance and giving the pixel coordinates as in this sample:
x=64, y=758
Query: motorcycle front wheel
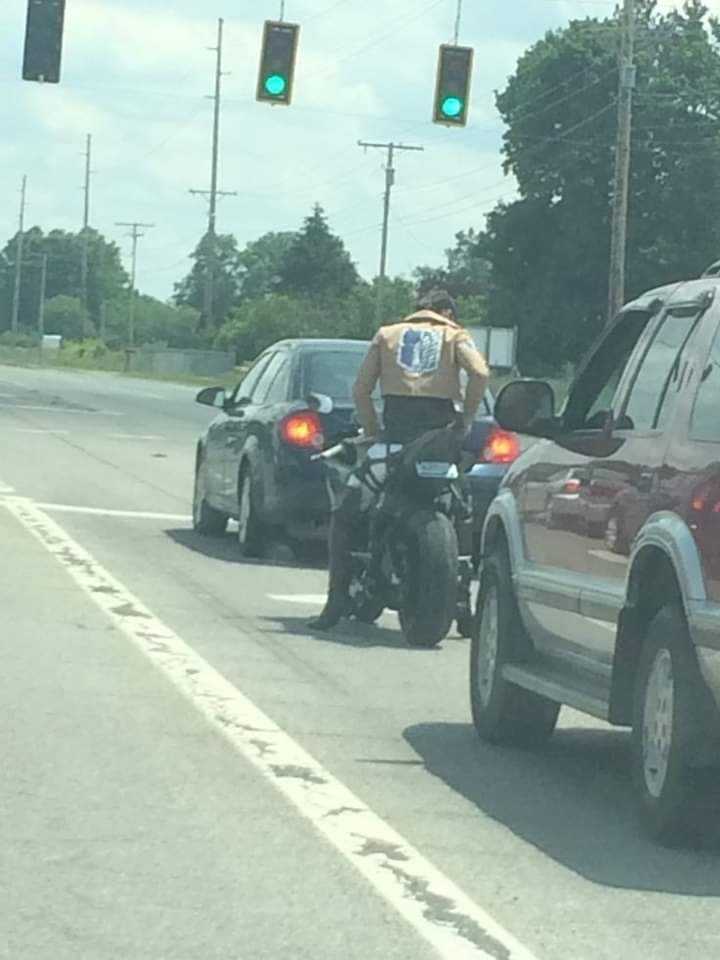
x=429, y=553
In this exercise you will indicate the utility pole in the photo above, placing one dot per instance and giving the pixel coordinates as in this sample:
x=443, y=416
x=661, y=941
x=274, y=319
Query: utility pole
x=213, y=193
x=135, y=233
x=389, y=184
x=86, y=221
x=618, y=238
x=19, y=259
x=43, y=285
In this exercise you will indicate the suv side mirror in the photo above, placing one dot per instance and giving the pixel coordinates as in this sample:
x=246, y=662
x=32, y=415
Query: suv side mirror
x=527, y=406
x=212, y=397
x=320, y=403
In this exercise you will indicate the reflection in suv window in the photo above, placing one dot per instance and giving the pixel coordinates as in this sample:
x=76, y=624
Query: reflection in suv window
x=658, y=370
x=705, y=423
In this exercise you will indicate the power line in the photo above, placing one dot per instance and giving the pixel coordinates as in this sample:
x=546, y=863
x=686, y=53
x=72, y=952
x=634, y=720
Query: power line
x=389, y=184
x=86, y=222
x=18, y=258
x=135, y=228
x=213, y=194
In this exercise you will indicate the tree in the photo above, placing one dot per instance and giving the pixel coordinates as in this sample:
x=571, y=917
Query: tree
x=317, y=263
x=550, y=249
x=467, y=273
x=107, y=279
x=65, y=316
x=260, y=263
x=190, y=292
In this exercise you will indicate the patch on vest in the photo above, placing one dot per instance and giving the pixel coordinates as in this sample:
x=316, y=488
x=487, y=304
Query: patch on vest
x=419, y=351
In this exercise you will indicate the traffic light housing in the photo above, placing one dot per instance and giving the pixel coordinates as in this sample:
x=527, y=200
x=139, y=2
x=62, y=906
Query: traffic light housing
x=43, y=40
x=277, y=62
x=452, y=92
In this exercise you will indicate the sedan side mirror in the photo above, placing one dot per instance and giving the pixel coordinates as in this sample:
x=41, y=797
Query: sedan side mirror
x=212, y=397
x=527, y=406
x=320, y=403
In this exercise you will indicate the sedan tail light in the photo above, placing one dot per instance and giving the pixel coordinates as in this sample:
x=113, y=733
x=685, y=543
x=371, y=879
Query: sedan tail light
x=501, y=447
x=303, y=429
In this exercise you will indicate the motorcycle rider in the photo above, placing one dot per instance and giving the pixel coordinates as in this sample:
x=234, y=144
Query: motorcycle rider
x=417, y=363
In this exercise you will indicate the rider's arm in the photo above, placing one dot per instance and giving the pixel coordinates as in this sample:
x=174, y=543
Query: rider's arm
x=365, y=383
x=474, y=364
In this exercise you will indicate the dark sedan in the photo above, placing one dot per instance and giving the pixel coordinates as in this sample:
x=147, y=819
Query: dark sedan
x=254, y=463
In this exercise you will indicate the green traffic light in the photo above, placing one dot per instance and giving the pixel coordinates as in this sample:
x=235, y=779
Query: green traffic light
x=275, y=85
x=452, y=107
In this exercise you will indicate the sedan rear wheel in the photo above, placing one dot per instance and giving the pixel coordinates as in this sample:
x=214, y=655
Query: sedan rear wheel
x=206, y=519
x=251, y=531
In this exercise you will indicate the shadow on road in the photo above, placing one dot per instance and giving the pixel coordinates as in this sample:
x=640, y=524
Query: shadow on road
x=573, y=801
x=347, y=634
x=225, y=547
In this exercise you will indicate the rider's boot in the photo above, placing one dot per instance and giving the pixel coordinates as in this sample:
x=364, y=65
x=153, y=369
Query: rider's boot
x=340, y=563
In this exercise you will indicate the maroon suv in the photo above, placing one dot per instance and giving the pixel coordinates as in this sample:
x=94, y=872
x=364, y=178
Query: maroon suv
x=617, y=615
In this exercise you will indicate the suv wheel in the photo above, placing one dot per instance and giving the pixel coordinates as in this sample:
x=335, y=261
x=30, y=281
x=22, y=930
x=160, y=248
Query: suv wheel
x=503, y=712
x=206, y=519
x=251, y=530
x=668, y=687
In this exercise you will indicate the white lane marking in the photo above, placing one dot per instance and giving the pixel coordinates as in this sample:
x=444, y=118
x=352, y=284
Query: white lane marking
x=135, y=436
x=612, y=627
x=56, y=433
x=102, y=512
x=457, y=927
x=59, y=409
x=311, y=599
x=608, y=557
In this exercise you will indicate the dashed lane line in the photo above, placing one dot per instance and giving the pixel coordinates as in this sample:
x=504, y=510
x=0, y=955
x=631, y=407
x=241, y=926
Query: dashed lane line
x=60, y=409
x=309, y=599
x=437, y=909
x=135, y=436
x=53, y=433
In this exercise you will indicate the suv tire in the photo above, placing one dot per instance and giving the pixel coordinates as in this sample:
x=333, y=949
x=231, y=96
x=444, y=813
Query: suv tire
x=668, y=690
x=503, y=712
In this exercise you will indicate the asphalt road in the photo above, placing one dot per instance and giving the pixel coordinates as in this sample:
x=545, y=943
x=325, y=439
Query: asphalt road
x=161, y=696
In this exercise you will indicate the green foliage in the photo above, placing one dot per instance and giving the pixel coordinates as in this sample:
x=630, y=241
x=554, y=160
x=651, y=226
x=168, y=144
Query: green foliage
x=260, y=263
x=550, y=249
x=467, y=273
x=227, y=273
x=256, y=324
x=65, y=316
x=317, y=264
x=106, y=277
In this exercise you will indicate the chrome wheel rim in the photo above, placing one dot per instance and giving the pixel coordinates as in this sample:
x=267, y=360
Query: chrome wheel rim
x=198, y=495
x=244, y=510
x=487, y=647
x=658, y=722
x=611, y=533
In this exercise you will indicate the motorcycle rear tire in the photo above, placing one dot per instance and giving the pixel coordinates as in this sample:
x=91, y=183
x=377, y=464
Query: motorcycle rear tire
x=431, y=604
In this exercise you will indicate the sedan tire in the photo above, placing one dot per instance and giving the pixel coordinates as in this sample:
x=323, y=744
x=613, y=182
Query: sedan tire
x=503, y=712
x=206, y=519
x=252, y=535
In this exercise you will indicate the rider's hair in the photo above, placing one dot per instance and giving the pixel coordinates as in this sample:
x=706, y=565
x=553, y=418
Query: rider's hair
x=438, y=300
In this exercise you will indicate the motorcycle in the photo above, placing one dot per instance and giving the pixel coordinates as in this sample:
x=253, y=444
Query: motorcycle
x=406, y=554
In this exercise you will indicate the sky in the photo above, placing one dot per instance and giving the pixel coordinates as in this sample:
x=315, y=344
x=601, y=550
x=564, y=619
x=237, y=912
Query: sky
x=137, y=74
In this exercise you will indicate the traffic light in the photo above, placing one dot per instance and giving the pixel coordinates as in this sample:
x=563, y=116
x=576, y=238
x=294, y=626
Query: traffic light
x=277, y=62
x=452, y=94
x=43, y=40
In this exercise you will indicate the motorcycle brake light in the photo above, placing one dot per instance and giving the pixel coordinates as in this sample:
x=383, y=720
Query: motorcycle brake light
x=303, y=429
x=501, y=447
x=572, y=486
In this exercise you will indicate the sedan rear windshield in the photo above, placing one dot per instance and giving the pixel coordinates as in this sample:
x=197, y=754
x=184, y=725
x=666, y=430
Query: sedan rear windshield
x=332, y=372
